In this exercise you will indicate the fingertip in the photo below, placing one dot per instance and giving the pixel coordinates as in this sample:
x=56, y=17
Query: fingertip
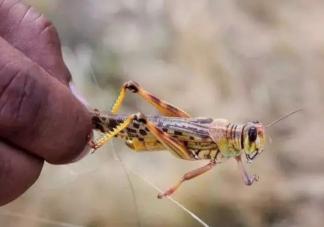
x=86, y=150
x=71, y=157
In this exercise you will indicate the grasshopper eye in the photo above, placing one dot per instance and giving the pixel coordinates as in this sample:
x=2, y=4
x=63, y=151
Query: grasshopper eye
x=252, y=133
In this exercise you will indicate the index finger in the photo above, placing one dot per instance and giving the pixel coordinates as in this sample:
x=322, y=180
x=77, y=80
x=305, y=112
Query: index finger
x=37, y=112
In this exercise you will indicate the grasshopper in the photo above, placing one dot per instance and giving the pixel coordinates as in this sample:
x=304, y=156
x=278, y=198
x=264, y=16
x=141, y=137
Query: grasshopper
x=185, y=137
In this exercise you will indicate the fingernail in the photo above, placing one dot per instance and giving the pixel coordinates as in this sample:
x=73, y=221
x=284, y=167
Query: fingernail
x=77, y=94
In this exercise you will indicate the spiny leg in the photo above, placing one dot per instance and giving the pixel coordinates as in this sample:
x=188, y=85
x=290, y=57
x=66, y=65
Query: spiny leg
x=188, y=176
x=163, y=107
x=248, y=180
x=107, y=136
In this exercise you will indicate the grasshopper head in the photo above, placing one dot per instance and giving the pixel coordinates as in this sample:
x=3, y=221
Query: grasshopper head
x=253, y=139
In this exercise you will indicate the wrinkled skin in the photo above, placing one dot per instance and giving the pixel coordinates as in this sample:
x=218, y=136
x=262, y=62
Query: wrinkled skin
x=40, y=119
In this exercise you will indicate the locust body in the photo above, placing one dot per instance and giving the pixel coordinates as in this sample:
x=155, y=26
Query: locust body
x=205, y=138
x=186, y=137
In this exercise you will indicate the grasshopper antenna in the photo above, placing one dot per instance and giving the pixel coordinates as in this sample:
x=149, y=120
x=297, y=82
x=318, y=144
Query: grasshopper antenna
x=283, y=117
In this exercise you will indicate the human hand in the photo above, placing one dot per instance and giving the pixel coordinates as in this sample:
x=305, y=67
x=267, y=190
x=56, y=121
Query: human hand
x=40, y=119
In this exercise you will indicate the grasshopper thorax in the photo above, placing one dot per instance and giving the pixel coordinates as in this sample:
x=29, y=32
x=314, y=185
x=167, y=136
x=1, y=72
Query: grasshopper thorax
x=252, y=139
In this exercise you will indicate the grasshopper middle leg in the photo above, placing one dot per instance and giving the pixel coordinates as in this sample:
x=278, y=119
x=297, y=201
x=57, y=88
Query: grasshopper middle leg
x=188, y=176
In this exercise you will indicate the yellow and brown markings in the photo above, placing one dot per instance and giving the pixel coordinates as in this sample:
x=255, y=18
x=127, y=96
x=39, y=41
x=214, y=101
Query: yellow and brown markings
x=187, y=138
x=191, y=133
x=110, y=133
x=144, y=145
x=227, y=136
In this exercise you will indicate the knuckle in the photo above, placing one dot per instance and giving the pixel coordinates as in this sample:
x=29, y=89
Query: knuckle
x=132, y=86
x=140, y=117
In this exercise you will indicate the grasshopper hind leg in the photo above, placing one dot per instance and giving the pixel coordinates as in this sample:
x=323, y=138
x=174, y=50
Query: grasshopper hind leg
x=165, y=108
x=175, y=146
x=114, y=132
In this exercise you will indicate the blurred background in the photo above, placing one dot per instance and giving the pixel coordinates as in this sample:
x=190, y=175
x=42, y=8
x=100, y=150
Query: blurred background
x=236, y=59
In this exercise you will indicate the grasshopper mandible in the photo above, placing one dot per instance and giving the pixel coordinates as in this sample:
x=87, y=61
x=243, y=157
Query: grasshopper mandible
x=186, y=137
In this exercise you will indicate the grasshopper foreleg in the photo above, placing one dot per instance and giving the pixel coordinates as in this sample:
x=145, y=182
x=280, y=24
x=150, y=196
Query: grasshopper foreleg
x=188, y=176
x=248, y=180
